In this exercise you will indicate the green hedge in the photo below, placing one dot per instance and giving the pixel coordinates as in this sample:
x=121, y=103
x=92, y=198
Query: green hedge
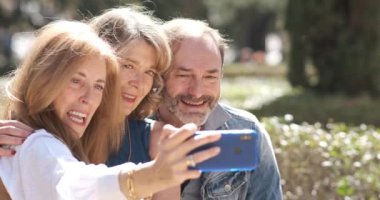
x=311, y=107
x=336, y=162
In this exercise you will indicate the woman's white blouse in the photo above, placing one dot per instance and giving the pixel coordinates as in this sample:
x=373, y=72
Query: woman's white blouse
x=44, y=168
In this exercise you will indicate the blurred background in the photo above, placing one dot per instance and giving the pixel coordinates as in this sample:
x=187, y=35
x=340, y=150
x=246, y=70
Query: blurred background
x=310, y=70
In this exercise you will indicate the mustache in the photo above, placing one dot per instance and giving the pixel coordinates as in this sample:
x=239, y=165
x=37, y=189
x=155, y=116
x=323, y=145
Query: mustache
x=187, y=97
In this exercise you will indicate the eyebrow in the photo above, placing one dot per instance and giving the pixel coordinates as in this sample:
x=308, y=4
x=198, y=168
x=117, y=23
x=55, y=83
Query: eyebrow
x=84, y=76
x=210, y=71
x=135, y=62
x=129, y=60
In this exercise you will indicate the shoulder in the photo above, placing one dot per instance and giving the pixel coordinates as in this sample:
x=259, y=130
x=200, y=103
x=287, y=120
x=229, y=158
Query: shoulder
x=41, y=136
x=243, y=119
x=239, y=114
x=42, y=144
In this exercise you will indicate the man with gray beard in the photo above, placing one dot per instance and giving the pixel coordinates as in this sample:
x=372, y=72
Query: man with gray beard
x=191, y=94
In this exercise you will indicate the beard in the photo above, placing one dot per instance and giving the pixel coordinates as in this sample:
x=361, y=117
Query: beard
x=197, y=117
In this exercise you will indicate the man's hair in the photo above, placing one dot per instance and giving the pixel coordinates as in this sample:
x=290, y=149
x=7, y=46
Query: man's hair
x=45, y=72
x=181, y=28
x=120, y=26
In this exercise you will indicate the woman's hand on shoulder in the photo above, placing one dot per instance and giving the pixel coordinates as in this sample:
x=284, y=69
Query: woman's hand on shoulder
x=12, y=132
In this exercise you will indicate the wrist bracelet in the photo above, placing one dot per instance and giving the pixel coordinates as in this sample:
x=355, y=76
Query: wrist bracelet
x=130, y=184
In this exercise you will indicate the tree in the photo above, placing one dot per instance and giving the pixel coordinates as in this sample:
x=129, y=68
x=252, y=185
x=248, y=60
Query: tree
x=341, y=39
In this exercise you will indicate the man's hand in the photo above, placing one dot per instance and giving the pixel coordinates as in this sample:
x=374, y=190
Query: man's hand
x=12, y=133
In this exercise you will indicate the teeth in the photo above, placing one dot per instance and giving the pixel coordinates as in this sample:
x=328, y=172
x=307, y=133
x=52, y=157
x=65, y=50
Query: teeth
x=77, y=114
x=75, y=119
x=192, y=103
x=128, y=96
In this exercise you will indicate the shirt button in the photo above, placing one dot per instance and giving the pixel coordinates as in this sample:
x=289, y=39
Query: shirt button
x=227, y=187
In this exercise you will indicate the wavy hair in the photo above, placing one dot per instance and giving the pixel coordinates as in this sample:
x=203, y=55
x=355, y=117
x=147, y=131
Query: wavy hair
x=120, y=26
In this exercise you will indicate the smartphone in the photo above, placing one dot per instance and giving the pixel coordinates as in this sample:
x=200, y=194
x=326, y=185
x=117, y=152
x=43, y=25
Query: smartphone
x=239, y=151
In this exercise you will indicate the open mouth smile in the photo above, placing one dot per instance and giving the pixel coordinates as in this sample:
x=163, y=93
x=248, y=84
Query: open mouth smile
x=77, y=117
x=129, y=98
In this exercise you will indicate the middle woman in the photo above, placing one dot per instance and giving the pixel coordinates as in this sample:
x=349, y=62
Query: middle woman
x=144, y=54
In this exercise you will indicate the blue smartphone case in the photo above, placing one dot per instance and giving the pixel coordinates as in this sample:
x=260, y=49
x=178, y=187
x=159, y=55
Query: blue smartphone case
x=240, y=151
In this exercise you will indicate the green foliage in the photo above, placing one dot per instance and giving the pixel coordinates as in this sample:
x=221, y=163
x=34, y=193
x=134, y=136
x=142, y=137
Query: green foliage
x=271, y=95
x=253, y=70
x=246, y=22
x=252, y=92
x=168, y=9
x=336, y=162
x=341, y=39
x=310, y=107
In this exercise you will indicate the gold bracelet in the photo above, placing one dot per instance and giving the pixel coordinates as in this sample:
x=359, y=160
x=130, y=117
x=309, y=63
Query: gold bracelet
x=130, y=184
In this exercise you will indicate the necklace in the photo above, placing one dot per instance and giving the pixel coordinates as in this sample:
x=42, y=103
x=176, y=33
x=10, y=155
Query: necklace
x=129, y=141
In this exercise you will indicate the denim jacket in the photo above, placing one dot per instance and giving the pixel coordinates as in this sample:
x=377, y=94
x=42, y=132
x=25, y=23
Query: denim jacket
x=262, y=183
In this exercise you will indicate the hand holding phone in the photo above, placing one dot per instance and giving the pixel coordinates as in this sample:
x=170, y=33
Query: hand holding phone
x=239, y=151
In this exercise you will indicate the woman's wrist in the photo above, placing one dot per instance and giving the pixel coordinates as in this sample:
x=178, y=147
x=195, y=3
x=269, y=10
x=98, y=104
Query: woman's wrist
x=137, y=183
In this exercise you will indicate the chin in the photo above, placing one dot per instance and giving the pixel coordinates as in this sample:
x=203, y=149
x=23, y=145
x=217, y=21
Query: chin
x=198, y=119
x=127, y=112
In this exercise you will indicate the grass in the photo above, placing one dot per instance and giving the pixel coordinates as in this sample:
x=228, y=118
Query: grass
x=253, y=92
x=238, y=69
x=265, y=92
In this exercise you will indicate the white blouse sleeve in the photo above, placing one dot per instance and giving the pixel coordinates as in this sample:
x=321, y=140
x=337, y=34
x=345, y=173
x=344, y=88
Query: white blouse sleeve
x=49, y=171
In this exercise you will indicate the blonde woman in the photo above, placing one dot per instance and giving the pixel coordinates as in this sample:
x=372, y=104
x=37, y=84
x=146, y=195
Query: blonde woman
x=66, y=90
x=144, y=54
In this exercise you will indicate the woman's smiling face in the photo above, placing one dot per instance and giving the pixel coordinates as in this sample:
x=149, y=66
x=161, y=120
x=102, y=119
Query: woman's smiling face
x=138, y=70
x=82, y=95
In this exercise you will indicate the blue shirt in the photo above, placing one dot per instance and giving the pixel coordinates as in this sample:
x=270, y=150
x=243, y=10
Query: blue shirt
x=136, y=151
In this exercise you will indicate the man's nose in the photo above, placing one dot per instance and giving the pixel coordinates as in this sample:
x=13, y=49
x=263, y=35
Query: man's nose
x=196, y=88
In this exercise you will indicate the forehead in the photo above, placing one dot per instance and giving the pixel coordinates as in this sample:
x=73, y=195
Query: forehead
x=140, y=52
x=93, y=67
x=198, y=53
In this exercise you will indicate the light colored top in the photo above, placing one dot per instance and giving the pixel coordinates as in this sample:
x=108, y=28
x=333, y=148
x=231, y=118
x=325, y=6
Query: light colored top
x=44, y=168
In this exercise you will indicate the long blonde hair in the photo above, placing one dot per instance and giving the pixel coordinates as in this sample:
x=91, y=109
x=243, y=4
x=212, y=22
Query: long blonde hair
x=120, y=26
x=44, y=73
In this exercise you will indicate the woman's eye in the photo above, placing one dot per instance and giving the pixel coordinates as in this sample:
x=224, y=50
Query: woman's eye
x=99, y=87
x=75, y=80
x=183, y=75
x=128, y=66
x=151, y=73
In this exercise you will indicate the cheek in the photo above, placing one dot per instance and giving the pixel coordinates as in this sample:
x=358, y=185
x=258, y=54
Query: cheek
x=64, y=98
x=59, y=106
x=214, y=90
x=124, y=77
x=174, y=87
x=98, y=99
x=147, y=85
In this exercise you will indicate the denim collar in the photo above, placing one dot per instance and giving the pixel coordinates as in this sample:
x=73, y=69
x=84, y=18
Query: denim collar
x=217, y=118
